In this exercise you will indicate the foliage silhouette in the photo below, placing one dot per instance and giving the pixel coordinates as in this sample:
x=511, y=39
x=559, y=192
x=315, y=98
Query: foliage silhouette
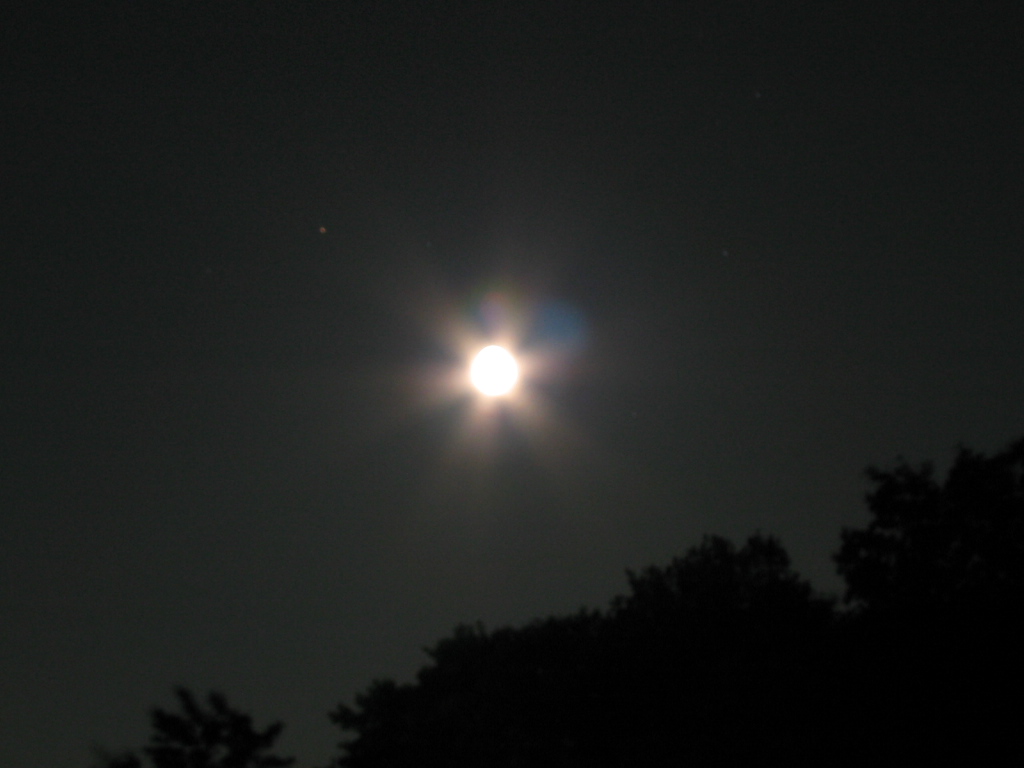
x=197, y=737
x=931, y=545
x=723, y=656
x=699, y=661
x=935, y=579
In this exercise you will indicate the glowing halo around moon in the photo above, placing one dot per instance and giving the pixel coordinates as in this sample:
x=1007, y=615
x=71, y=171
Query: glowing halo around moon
x=494, y=371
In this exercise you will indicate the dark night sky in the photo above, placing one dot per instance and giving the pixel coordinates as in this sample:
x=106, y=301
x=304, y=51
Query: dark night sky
x=750, y=249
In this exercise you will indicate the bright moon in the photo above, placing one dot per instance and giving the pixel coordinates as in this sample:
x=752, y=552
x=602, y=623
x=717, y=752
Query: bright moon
x=494, y=371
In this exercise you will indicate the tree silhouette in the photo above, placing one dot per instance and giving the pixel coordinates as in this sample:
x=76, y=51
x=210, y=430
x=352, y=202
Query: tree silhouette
x=932, y=651
x=709, y=658
x=724, y=656
x=720, y=655
x=503, y=697
x=197, y=737
x=935, y=545
x=716, y=579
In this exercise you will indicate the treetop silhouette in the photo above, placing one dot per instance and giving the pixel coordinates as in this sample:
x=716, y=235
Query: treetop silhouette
x=933, y=545
x=216, y=736
x=724, y=656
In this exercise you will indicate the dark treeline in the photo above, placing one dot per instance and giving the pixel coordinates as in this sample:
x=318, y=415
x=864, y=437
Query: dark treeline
x=724, y=656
